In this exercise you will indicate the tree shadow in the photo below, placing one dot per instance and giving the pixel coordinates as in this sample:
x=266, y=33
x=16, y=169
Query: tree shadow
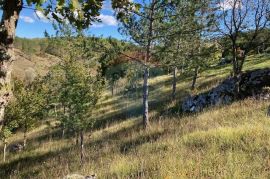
x=138, y=141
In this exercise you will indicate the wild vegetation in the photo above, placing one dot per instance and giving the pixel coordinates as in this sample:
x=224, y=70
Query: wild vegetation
x=114, y=109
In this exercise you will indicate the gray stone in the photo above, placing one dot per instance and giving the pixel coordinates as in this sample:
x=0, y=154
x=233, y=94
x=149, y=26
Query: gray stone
x=251, y=83
x=16, y=148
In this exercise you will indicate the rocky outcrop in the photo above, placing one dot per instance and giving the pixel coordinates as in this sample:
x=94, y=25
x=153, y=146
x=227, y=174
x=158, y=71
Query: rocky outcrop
x=251, y=83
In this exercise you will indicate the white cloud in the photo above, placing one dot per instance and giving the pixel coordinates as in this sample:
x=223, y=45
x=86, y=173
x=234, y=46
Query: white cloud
x=229, y=4
x=95, y=25
x=40, y=16
x=27, y=19
x=106, y=20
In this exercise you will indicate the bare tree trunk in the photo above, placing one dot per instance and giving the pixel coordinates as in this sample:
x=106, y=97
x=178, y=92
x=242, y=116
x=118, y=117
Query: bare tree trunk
x=82, y=147
x=196, y=71
x=174, y=83
x=24, y=139
x=5, y=148
x=145, y=98
x=235, y=61
x=77, y=138
x=63, y=132
x=55, y=110
x=147, y=58
x=10, y=15
x=112, y=88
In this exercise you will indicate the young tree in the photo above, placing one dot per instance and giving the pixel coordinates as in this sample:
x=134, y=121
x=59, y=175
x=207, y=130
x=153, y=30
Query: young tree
x=176, y=44
x=81, y=91
x=28, y=106
x=142, y=27
x=76, y=83
x=10, y=124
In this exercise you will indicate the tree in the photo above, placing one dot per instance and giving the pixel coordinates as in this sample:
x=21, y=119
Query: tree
x=81, y=91
x=28, y=106
x=176, y=42
x=112, y=64
x=236, y=17
x=80, y=14
x=10, y=124
x=76, y=84
x=142, y=27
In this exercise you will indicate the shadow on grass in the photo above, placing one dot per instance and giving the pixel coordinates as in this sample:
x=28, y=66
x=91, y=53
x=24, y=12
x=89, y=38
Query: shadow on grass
x=140, y=140
x=31, y=165
x=28, y=162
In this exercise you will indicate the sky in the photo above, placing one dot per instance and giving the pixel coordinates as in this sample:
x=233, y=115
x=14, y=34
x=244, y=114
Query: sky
x=33, y=24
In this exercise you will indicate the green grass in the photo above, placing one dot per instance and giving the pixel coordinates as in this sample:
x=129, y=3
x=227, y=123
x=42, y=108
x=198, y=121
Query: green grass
x=220, y=142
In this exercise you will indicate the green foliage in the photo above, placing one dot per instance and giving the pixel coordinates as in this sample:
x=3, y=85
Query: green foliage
x=79, y=93
x=75, y=83
x=10, y=124
x=78, y=13
x=28, y=105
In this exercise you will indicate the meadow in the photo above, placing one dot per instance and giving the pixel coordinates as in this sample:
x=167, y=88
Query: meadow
x=220, y=142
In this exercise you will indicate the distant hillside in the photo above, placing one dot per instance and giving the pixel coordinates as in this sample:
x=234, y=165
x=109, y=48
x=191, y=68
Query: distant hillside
x=36, y=64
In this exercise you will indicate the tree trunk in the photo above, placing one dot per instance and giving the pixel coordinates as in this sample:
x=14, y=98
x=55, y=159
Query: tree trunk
x=77, y=138
x=5, y=148
x=63, y=132
x=24, y=139
x=82, y=147
x=196, y=71
x=10, y=15
x=145, y=98
x=55, y=110
x=112, y=90
x=235, y=61
x=174, y=83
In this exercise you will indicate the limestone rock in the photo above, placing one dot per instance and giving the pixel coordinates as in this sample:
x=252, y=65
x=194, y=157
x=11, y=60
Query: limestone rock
x=251, y=83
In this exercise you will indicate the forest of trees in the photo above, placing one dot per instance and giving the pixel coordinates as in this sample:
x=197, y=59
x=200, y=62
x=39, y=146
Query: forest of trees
x=182, y=37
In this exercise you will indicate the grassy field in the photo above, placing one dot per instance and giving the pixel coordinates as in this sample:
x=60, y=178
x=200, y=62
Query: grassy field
x=221, y=142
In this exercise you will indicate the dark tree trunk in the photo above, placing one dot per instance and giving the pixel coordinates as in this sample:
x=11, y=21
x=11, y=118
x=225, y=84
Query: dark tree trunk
x=145, y=98
x=174, y=83
x=82, y=147
x=10, y=15
x=77, y=138
x=112, y=88
x=196, y=71
x=234, y=57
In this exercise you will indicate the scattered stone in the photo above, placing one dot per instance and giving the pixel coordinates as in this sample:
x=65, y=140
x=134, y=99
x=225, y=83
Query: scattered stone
x=16, y=148
x=224, y=61
x=77, y=176
x=251, y=83
x=263, y=95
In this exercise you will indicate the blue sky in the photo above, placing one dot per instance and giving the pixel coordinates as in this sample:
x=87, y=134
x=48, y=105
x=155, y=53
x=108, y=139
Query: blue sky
x=32, y=25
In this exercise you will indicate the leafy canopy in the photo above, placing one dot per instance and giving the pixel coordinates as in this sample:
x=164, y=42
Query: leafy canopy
x=80, y=13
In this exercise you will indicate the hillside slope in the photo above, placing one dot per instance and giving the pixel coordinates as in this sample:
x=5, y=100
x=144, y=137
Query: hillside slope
x=221, y=142
x=36, y=64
